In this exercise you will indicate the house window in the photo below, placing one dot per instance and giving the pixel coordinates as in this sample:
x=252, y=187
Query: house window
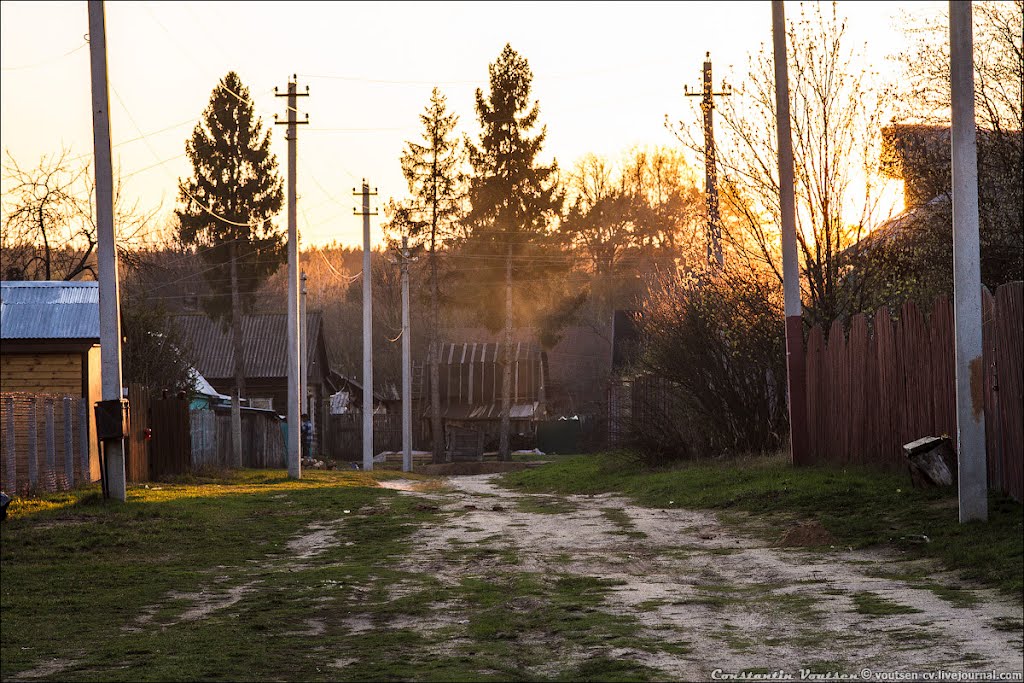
x=264, y=403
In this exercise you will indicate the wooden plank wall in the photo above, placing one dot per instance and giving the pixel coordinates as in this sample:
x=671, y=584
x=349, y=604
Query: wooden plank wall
x=882, y=383
x=42, y=373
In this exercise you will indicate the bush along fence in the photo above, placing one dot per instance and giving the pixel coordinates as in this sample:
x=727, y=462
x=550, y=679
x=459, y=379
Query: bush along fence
x=44, y=442
x=889, y=381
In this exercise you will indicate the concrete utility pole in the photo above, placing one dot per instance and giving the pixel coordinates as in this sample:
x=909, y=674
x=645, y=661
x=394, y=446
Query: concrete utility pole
x=304, y=354
x=790, y=263
x=707, y=105
x=106, y=256
x=294, y=362
x=367, y=328
x=404, y=260
x=970, y=371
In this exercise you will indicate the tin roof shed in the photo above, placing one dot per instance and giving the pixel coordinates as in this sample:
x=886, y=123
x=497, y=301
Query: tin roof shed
x=50, y=310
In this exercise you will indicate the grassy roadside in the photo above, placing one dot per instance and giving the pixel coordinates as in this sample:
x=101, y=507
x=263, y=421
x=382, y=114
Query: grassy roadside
x=859, y=507
x=209, y=578
x=102, y=590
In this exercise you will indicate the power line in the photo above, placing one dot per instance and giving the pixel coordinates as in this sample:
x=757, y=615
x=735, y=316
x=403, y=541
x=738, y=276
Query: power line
x=47, y=62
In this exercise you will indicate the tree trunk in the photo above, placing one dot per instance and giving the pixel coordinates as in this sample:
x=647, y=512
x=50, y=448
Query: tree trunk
x=504, y=452
x=239, y=362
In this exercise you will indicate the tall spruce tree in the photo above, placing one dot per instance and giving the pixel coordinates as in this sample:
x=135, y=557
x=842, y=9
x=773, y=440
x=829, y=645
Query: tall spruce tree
x=432, y=170
x=226, y=211
x=513, y=199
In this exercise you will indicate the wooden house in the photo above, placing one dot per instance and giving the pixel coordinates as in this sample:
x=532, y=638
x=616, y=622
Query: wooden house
x=50, y=344
x=265, y=343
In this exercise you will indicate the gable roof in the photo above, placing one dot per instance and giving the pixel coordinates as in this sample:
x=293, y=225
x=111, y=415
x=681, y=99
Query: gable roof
x=50, y=310
x=263, y=340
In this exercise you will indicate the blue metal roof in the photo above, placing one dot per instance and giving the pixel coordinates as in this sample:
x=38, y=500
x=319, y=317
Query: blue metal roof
x=49, y=310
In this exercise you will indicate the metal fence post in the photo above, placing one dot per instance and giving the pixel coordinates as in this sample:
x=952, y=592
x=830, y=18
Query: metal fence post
x=50, y=475
x=12, y=465
x=69, y=456
x=33, y=445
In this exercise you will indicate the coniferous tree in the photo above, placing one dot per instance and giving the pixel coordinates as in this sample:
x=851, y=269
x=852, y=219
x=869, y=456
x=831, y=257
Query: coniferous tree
x=226, y=207
x=432, y=170
x=513, y=199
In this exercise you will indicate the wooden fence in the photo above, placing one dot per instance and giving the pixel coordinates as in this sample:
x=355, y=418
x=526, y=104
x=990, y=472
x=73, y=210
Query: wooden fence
x=263, y=444
x=44, y=442
x=345, y=435
x=886, y=382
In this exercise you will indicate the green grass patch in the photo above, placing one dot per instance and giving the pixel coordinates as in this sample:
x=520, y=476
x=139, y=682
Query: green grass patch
x=624, y=525
x=1008, y=625
x=875, y=605
x=544, y=505
x=859, y=507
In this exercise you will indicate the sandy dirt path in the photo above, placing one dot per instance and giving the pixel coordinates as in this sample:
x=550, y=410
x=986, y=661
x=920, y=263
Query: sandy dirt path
x=734, y=601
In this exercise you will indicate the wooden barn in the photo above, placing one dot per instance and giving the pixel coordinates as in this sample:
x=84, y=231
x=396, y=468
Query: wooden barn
x=470, y=383
x=49, y=344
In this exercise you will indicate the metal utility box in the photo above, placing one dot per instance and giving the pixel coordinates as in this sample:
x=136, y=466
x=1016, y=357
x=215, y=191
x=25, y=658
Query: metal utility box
x=112, y=419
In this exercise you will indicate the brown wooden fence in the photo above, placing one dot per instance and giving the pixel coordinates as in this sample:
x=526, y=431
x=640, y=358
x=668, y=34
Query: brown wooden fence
x=136, y=460
x=263, y=441
x=885, y=382
x=345, y=435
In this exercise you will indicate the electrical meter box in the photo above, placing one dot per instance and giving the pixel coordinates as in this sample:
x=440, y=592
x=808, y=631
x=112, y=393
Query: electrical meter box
x=112, y=419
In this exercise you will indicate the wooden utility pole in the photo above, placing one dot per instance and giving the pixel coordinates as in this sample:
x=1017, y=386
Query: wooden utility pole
x=367, y=328
x=294, y=363
x=707, y=105
x=790, y=263
x=970, y=371
x=106, y=256
x=404, y=260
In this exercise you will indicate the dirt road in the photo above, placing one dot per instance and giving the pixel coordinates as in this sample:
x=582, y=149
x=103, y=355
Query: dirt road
x=718, y=599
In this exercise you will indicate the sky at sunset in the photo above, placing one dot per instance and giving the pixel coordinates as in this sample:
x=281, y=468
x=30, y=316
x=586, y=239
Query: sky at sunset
x=606, y=74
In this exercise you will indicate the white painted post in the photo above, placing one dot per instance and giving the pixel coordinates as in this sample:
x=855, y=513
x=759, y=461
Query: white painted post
x=406, y=364
x=367, y=335
x=294, y=362
x=970, y=371
x=795, y=370
x=106, y=257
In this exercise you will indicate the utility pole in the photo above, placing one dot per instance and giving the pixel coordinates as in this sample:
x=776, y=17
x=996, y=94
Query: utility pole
x=367, y=328
x=294, y=363
x=795, y=372
x=707, y=105
x=106, y=256
x=403, y=262
x=304, y=356
x=970, y=372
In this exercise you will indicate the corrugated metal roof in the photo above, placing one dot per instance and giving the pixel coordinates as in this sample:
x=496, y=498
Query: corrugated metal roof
x=263, y=341
x=486, y=411
x=50, y=310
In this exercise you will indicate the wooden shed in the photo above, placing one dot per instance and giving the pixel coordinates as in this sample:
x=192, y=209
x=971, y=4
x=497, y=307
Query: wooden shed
x=49, y=344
